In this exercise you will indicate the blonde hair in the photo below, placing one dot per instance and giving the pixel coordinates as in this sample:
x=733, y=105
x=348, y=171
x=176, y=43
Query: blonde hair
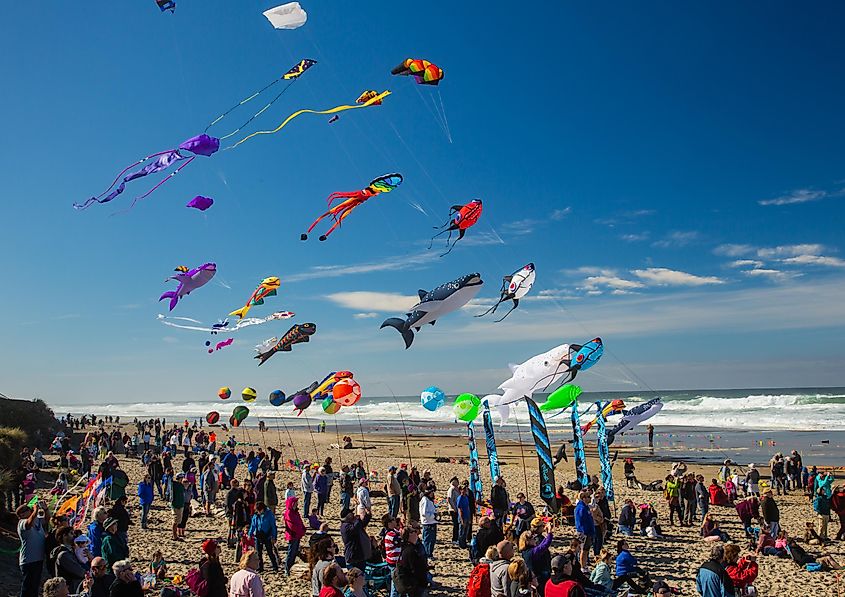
x=604, y=555
x=244, y=563
x=524, y=538
x=492, y=553
x=53, y=586
x=516, y=568
x=352, y=575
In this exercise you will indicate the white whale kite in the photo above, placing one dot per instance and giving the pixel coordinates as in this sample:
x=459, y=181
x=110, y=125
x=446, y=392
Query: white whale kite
x=222, y=327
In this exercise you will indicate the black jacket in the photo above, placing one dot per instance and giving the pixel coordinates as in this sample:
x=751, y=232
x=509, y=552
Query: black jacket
x=355, y=539
x=499, y=498
x=413, y=567
x=485, y=537
x=212, y=572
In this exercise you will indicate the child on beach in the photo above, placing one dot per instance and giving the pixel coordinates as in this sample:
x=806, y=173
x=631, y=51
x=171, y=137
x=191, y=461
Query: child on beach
x=158, y=565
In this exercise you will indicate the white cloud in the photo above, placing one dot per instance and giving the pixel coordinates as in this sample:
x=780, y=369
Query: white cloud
x=370, y=315
x=559, y=214
x=520, y=227
x=734, y=250
x=366, y=301
x=678, y=238
x=815, y=260
x=662, y=276
x=796, y=196
x=633, y=238
x=746, y=263
x=593, y=283
x=399, y=262
x=790, y=250
x=772, y=274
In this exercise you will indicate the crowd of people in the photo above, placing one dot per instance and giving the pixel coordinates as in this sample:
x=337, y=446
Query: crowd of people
x=514, y=547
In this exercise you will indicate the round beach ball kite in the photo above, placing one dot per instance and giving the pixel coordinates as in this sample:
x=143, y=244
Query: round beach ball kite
x=301, y=401
x=330, y=407
x=432, y=398
x=466, y=407
x=277, y=397
x=238, y=416
x=249, y=394
x=224, y=393
x=346, y=392
x=212, y=417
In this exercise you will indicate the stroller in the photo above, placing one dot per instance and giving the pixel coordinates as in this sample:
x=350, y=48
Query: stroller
x=377, y=579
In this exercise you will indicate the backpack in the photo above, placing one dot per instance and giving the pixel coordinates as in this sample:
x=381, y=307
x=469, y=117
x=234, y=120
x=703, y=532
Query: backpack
x=195, y=582
x=478, y=584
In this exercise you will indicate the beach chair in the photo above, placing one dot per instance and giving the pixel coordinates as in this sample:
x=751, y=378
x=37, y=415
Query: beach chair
x=377, y=579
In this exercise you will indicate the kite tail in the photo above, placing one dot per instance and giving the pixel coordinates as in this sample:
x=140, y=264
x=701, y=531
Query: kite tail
x=431, y=243
x=304, y=235
x=264, y=356
x=506, y=314
x=98, y=198
x=240, y=313
x=399, y=326
x=172, y=295
x=492, y=310
x=164, y=180
x=335, y=196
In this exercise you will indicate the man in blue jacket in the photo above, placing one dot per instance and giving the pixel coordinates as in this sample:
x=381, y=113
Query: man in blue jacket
x=230, y=463
x=263, y=529
x=712, y=579
x=627, y=569
x=585, y=527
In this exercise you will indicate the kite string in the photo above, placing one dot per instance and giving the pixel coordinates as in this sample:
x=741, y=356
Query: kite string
x=260, y=112
x=402, y=420
x=290, y=438
x=521, y=451
x=311, y=433
x=363, y=441
x=239, y=104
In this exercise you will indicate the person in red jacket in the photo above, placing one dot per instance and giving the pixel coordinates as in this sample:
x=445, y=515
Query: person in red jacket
x=837, y=504
x=743, y=572
x=718, y=497
x=561, y=584
x=294, y=531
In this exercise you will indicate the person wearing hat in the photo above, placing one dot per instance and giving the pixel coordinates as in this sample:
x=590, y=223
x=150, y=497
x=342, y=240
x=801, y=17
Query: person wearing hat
x=561, y=583
x=114, y=547
x=394, y=494
x=357, y=547
x=363, y=494
x=752, y=481
x=661, y=589
x=428, y=518
x=211, y=571
x=771, y=513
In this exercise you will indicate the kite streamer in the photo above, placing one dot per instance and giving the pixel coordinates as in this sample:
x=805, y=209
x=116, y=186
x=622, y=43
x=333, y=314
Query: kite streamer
x=544, y=455
x=578, y=448
x=334, y=110
x=604, y=454
x=490, y=441
x=474, y=476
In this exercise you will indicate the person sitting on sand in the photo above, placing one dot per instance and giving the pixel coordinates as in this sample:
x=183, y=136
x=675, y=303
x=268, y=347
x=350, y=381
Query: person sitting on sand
x=718, y=497
x=743, y=572
x=647, y=515
x=158, y=565
x=628, y=569
x=627, y=518
x=601, y=574
x=766, y=545
x=561, y=583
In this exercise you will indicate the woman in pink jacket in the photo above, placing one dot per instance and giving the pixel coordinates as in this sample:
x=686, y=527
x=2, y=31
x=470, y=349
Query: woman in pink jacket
x=294, y=531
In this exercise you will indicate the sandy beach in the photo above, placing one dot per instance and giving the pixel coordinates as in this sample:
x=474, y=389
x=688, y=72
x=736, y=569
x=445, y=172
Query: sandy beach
x=675, y=558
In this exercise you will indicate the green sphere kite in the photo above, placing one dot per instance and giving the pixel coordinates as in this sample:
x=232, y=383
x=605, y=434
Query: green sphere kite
x=466, y=407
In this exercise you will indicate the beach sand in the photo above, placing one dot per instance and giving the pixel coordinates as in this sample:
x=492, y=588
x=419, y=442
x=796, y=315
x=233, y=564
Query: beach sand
x=675, y=558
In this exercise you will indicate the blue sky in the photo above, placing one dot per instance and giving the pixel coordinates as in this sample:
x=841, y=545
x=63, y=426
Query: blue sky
x=676, y=173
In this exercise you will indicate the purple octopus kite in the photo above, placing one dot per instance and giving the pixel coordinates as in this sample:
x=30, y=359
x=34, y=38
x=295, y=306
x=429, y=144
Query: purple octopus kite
x=189, y=280
x=200, y=145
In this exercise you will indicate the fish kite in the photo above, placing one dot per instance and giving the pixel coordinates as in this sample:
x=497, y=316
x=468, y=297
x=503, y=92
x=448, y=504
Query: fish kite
x=301, y=332
x=423, y=71
x=223, y=327
x=612, y=407
x=434, y=304
x=461, y=217
x=166, y=5
x=203, y=145
x=382, y=184
x=219, y=345
x=561, y=398
x=584, y=357
x=268, y=287
x=201, y=203
x=367, y=96
x=189, y=280
x=287, y=16
x=290, y=76
x=514, y=287
x=634, y=417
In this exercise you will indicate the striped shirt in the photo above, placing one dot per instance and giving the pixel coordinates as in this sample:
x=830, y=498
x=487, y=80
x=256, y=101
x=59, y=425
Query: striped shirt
x=392, y=547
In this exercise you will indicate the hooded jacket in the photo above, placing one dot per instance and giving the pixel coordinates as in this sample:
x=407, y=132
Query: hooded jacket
x=294, y=527
x=499, y=577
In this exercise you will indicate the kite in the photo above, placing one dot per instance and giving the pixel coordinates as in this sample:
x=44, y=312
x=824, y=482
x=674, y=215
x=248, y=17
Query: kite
x=302, y=399
x=461, y=217
x=219, y=345
x=561, y=398
x=490, y=441
x=323, y=389
x=292, y=75
x=189, y=280
x=212, y=417
x=330, y=407
x=474, y=476
x=266, y=345
x=544, y=455
x=578, y=448
x=423, y=71
x=584, y=357
x=342, y=108
x=223, y=326
x=268, y=287
x=300, y=332
x=540, y=371
x=334, y=118
x=203, y=145
x=166, y=5
x=238, y=416
x=434, y=304
x=224, y=393
x=514, y=287
x=367, y=96
x=382, y=184
x=612, y=407
x=604, y=453
x=634, y=417
x=287, y=16
x=346, y=392
x=466, y=407
x=432, y=398
x=277, y=398
x=249, y=394
x=201, y=203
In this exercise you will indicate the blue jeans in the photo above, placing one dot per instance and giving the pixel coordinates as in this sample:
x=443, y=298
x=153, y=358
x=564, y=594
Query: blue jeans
x=626, y=530
x=145, y=510
x=462, y=535
x=429, y=536
x=345, y=500
x=393, y=505
x=31, y=578
x=703, y=507
x=293, y=551
x=393, y=592
x=306, y=504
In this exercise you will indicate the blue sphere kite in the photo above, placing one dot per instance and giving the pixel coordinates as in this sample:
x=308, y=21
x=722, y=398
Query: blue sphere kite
x=277, y=398
x=432, y=398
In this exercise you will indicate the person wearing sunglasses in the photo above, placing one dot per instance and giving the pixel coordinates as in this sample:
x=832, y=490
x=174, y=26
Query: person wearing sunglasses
x=127, y=584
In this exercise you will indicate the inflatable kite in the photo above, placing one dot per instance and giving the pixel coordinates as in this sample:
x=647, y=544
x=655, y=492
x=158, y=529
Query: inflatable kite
x=287, y=16
x=561, y=398
x=382, y=184
x=212, y=417
x=514, y=287
x=300, y=332
x=201, y=203
x=302, y=399
x=330, y=407
x=224, y=393
x=223, y=326
x=585, y=356
x=189, y=280
x=268, y=287
x=461, y=217
x=612, y=407
x=466, y=407
x=166, y=5
x=238, y=416
x=367, y=96
x=423, y=71
x=249, y=394
x=322, y=390
x=219, y=345
x=346, y=392
x=432, y=398
x=277, y=398
x=290, y=76
x=434, y=304
x=200, y=145
x=634, y=417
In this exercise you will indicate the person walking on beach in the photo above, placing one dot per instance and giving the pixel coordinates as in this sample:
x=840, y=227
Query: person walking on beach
x=263, y=529
x=650, y=435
